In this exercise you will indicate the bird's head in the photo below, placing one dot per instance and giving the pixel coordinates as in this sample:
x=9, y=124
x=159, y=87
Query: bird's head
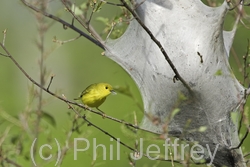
x=106, y=89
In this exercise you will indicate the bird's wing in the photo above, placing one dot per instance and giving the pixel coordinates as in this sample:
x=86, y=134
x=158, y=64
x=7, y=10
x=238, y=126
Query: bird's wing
x=89, y=89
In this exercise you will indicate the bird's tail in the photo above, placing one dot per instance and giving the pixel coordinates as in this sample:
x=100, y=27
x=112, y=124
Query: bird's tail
x=78, y=98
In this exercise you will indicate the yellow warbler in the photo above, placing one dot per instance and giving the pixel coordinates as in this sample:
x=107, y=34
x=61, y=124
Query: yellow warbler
x=95, y=94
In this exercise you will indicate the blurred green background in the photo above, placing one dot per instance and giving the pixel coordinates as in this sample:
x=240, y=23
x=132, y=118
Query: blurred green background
x=75, y=65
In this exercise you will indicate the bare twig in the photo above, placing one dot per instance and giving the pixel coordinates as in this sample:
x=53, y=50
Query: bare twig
x=112, y=27
x=91, y=15
x=11, y=162
x=247, y=154
x=111, y=3
x=85, y=24
x=4, y=36
x=133, y=161
x=63, y=42
x=64, y=23
x=51, y=79
x=245, y=76
x=239, y=3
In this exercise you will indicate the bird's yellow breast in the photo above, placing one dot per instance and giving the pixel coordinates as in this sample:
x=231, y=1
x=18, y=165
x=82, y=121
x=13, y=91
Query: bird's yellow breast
x=93, y=99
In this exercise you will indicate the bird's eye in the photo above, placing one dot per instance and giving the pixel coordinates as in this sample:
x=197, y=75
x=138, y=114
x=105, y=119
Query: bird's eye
x=106, y=87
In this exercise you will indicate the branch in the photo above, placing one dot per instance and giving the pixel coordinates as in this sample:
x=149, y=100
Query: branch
x=177, y=75
x=247, y=154
x=11, y=162
x=245, y=76
x=242, y=140
x=86, y=23
x=64, y=23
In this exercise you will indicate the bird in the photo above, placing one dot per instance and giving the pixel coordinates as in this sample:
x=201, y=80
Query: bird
x=95, y=94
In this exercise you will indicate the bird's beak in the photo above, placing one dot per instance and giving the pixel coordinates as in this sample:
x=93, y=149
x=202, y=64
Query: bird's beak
x=113, y=92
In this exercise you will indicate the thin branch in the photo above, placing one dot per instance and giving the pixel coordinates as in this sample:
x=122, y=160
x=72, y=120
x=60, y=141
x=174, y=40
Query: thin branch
x=91, y=15
x=11, y=162
x=111, y=3
x=242, y=110
x=122, y=143
x=177, y=75
x=108, y=134
x=3, y=55
x=245, y=76
x=133, y=161
x=64, y=23
x=87, y=26
x=51, y=79
x=63, y=42
x=239, y=3
x=112, y=27
x=242, y=140
x=4, y=36
x=247, y=154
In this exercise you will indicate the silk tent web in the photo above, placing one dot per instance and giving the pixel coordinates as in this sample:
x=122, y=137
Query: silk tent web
x=193, y=37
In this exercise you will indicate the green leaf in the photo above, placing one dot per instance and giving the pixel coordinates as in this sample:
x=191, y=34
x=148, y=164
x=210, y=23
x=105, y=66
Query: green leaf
x=14, y=139
x=181, y=96
x=202, y=129
x=10, y=118
x=49, y=118
x=83, y=6
x=76, y=10
x=175, y=112
x=103, y=20
x=218, y=72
